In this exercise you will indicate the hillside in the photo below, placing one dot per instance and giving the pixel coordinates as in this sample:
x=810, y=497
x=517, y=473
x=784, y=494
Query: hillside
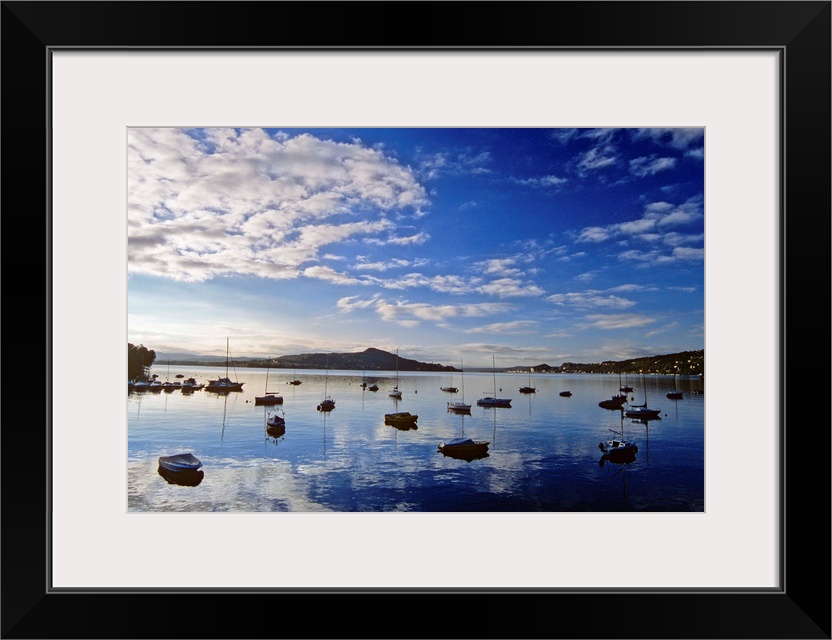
x=691, y=363
x=684, y=362
x=369, y=360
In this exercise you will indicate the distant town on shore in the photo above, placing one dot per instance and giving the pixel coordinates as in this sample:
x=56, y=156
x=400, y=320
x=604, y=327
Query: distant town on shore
x=690, y=363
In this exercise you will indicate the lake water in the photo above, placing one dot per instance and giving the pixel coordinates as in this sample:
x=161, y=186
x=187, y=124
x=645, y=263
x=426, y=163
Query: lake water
x=543, y=454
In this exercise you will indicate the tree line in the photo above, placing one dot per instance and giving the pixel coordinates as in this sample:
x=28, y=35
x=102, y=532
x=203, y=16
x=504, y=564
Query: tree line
x=139, y=360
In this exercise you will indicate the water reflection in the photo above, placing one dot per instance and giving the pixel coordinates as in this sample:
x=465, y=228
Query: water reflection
x=618, y=465
x=185, y=478
x=468, y=456
x=546, y=459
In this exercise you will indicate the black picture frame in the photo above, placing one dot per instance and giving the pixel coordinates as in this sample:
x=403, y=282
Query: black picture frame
x=800, y=608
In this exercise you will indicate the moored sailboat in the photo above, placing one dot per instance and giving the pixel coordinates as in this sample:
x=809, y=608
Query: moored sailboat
x=327, y=404
x=395, y=392
x=494, y=401
x=460, y=406
x=224, y=383
x=268, y=398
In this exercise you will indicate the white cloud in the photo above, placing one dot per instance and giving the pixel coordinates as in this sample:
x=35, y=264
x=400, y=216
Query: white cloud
x=222, y=201
x=509, y=288
x=515, y=328
x=677, y=138
x=648, y=166
x=329, y=275
x=599, y=157
x=590, y=299
x=621, y=321
x=413, y=313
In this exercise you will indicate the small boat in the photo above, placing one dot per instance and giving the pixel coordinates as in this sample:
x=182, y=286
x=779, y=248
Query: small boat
x=625, y=388
x=642, y=413
x=529, y=388
x=400, y=418
x=268, y=399
x=190, y=385
x=275, y=421
x=460, y=406
x=676, y=394
x=373, y=387
x=295, y=381
x=464, y=446
x=327, y=404
x=617, y=401
x=618, y=446
x=493, y=401
x=395, y=392
x=450, y=389
x=185, y=478
x=180, y=462
x=565, y=394
x=641, y=410
x=180, y=375
x=222, y=384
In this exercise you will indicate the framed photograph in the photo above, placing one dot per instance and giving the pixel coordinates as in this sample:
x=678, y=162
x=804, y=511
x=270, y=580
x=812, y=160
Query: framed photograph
x=94, y=92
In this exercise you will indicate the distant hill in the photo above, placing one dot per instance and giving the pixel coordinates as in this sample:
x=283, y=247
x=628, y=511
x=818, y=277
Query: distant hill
x=683, y=362
x=370, y=360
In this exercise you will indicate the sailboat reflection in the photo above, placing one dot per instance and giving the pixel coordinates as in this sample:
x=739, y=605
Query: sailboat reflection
x=185, y=478
x=619, y=466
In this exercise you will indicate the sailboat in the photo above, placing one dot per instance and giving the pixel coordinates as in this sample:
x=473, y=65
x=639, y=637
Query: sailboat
x=295, y=381
x=618, y=448
x=494, y=401
x=460, y=406
x=464, y=448
x=395, y=392
x=529, y=388
x=224, y=384
x=268, y=398
x=641, y=410
x=327, y=404
x=450, y=389
x=625, y=388
x=275, y=423
x=676, y=394
x=617, y=401
x=167, y=385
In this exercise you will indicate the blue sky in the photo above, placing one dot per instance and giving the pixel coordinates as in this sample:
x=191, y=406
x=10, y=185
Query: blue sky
x=448, y=244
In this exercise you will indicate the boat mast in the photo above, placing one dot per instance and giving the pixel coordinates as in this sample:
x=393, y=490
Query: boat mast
x=494, y=371
x=226, y=356
x=268, y=366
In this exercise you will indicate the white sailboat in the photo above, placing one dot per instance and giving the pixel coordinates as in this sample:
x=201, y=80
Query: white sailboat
x=395, y=392
x=269, y=398
x=618, y=447
x=493, y=400
x=528, y=388
x=224, y=384
x=641, y=410
x=460, y=406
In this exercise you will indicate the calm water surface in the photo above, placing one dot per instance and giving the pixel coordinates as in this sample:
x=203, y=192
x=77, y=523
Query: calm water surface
x=543, y=455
